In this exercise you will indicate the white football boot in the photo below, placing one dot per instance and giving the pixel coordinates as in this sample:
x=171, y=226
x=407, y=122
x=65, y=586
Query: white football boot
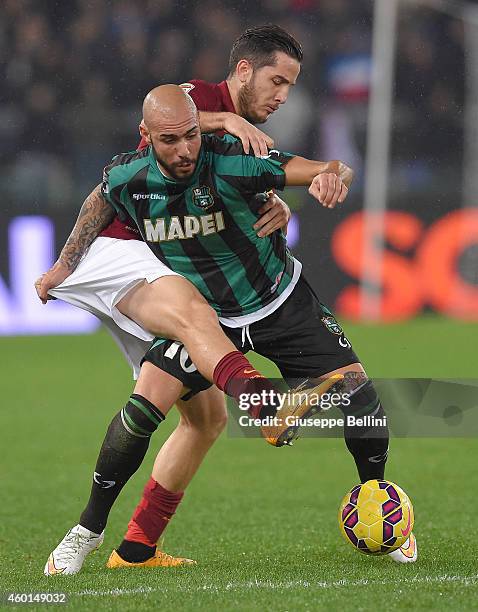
x=407, y=553
x=69, y=555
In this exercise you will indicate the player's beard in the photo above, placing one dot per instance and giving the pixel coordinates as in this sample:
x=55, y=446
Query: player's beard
x=247, y=101
x=172, y=169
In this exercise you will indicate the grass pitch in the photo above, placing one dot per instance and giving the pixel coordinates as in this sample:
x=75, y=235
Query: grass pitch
x=260, y=521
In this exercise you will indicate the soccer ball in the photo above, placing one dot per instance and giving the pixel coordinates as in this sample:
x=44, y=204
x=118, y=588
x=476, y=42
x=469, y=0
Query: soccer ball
x=376, y=517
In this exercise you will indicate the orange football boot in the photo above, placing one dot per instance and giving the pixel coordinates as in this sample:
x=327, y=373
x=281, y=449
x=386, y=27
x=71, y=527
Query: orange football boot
x=160, y=559
x=282, y=431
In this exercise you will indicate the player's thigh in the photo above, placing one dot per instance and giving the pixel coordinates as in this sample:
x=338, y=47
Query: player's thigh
x=205, y=411
x=167, y=306
x=109, y=270
x=303, y=338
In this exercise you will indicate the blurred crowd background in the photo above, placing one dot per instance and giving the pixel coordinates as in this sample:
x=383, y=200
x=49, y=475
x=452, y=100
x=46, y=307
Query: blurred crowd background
x=74, y=73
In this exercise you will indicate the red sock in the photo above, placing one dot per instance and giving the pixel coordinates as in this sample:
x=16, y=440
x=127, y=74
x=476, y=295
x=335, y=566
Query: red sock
x=152, y=514
x=235, y=375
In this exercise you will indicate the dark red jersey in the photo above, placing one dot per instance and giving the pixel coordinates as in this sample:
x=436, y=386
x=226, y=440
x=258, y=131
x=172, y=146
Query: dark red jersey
x=211, y=97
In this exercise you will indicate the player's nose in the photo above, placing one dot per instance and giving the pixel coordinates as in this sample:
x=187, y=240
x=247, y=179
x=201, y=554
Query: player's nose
x=281, y=96
x=183, y=149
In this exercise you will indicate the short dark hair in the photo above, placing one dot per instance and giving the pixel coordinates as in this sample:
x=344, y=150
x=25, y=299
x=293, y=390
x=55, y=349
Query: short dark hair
x=260, y=44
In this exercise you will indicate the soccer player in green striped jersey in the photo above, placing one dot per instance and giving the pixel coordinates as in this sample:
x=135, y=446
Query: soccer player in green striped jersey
x=192, y=199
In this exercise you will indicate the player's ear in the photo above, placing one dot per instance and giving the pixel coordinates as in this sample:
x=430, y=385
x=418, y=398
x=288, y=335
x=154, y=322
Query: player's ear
x=143, y=130
x=244, y=70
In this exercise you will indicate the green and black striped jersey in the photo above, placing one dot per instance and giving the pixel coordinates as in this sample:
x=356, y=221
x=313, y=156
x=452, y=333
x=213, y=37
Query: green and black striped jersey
x=202, y=228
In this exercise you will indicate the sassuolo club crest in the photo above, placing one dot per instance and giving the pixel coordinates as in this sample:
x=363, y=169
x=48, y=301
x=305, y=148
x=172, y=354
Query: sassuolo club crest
x=202, y=197
x=332, y=325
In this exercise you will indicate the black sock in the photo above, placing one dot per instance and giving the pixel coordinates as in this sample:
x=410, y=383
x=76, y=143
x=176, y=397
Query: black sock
x=135, y=552
x=370, y=453
x=368, y=442
x=121, y=454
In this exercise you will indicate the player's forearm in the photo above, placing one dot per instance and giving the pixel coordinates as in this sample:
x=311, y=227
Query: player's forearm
x=95, y=214
x=300, y=171
x=212, y=122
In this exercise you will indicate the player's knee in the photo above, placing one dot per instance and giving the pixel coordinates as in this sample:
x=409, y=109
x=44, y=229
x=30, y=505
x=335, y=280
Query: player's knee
x=358, y=393
x=202, y=315
x=360, y=399
x=140, y=417
x=219, y=423
x=213, y=428
x=353, y=381
x=208, y=426
x=197, y=317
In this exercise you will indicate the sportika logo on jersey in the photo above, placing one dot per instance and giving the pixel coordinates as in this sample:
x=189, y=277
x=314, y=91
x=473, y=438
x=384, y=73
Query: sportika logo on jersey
x=189, y=226
x=149, y=196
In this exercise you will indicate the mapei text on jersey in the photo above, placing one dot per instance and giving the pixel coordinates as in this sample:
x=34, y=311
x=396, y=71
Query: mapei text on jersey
x=177, y=228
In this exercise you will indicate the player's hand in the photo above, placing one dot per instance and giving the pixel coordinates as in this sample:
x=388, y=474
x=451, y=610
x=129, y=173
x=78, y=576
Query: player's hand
x=249, y=135
x=275, y=215
x=54, y=277
x=329, y=189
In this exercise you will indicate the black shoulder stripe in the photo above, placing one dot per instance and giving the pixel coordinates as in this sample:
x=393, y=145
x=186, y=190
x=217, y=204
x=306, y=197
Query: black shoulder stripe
x=125, y=158
x=250, y=185
x=222, y=146
x=138, y=184
x=115, y=196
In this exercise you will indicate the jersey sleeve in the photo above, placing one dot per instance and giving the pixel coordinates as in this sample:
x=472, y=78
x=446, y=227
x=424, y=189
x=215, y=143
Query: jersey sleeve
x=247, y=173
x=110, y=191
x=105, y=185
x=266, y=172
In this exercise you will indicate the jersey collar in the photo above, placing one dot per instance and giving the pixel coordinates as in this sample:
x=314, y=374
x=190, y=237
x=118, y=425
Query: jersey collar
x=228, y=104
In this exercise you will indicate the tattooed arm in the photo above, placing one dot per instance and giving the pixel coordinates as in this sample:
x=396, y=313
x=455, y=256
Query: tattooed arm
x=94, y=216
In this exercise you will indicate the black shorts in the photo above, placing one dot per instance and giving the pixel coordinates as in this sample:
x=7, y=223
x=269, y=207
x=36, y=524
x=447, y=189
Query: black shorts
x=301, y=337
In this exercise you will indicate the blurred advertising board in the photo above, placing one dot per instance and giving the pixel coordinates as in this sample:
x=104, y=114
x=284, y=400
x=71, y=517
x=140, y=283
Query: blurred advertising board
x=429, y=263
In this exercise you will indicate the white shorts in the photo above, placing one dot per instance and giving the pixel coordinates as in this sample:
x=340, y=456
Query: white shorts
x=107, y=271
